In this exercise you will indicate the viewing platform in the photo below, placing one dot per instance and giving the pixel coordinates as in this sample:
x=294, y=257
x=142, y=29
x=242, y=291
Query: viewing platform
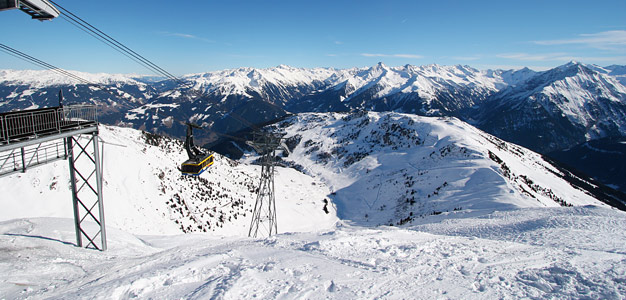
x=26, y=125
x=37, y=136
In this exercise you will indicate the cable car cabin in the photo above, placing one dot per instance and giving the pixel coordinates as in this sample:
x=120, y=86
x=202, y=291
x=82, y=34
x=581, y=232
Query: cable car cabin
x=196, y=166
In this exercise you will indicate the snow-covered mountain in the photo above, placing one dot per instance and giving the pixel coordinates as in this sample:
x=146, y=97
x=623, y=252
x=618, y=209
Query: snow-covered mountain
x=260, y=95
x=145, y=193
x=473, y=216
x=557, y=109
x=293, y=88
x=426, y=90
x=277, y=85
x=545, y=111
x=390, y=168
x=256, y=95
x=113, y=93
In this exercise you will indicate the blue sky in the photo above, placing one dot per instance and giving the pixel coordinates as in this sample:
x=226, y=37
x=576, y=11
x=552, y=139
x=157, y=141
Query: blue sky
x=199, y=36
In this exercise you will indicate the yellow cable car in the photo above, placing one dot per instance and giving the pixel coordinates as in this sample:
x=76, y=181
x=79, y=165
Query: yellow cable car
x=199, y=160
x=196, y=166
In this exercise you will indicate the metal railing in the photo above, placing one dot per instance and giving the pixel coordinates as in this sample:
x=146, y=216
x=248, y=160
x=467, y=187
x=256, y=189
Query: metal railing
x=18, y=160
x=19, y=126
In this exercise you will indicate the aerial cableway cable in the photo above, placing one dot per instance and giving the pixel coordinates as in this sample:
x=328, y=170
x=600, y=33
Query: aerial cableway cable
x=45, y=65
x=106, y=43
x=92, y=30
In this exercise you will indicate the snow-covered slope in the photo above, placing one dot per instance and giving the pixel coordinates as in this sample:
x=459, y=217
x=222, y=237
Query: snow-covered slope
x=440, y=178
x=390, y=168
x=567, y=105
x=113, y=93
x=543, y=253
x=144, y=193
x=377, y=168
x=45, y=78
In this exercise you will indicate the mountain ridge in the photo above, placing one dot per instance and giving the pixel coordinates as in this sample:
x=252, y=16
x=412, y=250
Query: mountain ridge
x=574, y=98
x=568, y=105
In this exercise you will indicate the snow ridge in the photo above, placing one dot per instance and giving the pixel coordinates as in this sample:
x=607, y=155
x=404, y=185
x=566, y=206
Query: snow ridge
x=569, y=104
x=391, y=168
x=45, y=78
x=284, y=83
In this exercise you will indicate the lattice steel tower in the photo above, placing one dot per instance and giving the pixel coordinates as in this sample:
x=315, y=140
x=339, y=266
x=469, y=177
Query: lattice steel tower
x=39, y=136
x=264, y=214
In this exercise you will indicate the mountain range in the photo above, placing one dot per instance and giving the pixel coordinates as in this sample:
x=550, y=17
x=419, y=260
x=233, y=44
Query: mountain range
x=545, y=111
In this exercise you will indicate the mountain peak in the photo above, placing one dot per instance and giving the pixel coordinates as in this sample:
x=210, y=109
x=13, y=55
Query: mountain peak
x=284, y=67
x=570, y=69
x=377, y=70
x=381, y=65
x=572, y=65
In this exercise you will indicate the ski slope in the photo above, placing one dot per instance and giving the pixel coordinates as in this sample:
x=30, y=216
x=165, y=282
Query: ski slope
x=525, y=253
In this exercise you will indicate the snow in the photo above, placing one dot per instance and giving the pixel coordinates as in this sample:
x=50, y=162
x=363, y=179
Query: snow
x=133, y=114
x=536, y=253
x=427, y=81
x=581, y=93
x=502, y=244
x=239, y=81
x=45, y=78
x=145, y=193
x=576, y=91
x=391, y=168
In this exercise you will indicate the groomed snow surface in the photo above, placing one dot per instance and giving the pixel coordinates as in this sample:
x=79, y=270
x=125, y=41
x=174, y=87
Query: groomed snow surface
x=500, y=243
x=527, y=253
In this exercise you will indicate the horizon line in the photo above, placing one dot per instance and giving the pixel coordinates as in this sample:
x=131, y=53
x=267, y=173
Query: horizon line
x=480, y=67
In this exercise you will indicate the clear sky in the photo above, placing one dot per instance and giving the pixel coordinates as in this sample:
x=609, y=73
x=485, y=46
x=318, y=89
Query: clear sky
x=204, y=35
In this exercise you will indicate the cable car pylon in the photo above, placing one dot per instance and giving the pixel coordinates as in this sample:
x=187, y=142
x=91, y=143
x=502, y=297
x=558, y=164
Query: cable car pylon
x=264, y=214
